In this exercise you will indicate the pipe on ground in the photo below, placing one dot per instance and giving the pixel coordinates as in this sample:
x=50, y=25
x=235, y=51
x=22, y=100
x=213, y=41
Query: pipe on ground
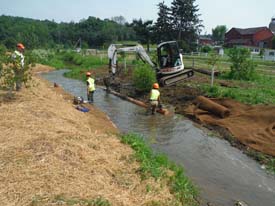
x=137, y=102
x=212, y=107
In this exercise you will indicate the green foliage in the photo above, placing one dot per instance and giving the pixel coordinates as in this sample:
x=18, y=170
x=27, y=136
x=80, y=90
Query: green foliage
x=144, y=77
x=143, y=30
x=11, y=71
x=264, y=159
x=186, y=47
x=273, y=42
x=261, y=91
x=242, y=67
x=206, y=49
x=214, y=58
x=157, y=165
x=93, y=32
x=218, y=33
x=163, y=25
x=186, y=22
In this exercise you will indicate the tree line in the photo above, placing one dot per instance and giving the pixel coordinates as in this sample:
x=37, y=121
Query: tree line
x=179, y=22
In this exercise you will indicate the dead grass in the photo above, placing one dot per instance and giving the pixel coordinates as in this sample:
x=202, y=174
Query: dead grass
x=48, y=149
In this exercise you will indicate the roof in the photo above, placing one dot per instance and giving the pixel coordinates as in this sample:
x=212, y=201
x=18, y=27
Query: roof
x=250, y=31
x=239, y=41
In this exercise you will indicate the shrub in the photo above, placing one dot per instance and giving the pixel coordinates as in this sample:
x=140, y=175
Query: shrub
x=206, y=49
x=242, y=67
x=143, y=76
x=11, y=71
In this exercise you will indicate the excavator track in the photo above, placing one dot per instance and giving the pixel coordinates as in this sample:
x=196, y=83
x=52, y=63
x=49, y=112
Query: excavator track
x=172, y=79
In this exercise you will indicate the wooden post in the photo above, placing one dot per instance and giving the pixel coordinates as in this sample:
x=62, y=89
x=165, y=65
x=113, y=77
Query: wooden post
x=212, y=76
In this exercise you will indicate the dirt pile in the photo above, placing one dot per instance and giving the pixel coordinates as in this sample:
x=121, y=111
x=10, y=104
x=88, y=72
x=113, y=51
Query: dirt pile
x=51, y=153
x=253, y=126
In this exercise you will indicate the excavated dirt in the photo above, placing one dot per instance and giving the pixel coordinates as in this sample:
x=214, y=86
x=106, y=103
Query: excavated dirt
x=247, y=127
x=53, y=154
x=253, y=126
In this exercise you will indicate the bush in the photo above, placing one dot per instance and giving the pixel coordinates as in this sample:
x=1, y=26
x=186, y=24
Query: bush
x=206, y=49
x=12, y=72
x=242, y=67
x=144, y=76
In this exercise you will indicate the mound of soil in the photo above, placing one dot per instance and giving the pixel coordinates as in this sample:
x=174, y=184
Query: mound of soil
x=253, y=126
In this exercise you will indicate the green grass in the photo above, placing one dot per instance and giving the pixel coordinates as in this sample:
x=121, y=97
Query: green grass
x=260, y=91
x=156, y=166
x=266, y=160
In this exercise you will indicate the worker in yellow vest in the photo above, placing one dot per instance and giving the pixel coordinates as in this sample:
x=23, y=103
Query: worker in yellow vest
x=90, y=87
x=154, y=97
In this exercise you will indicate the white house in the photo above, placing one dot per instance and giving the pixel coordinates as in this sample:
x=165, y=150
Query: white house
x=269, y=54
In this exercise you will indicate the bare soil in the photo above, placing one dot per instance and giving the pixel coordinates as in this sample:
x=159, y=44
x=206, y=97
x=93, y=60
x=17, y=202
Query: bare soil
x=247, y=127
x=53, y=154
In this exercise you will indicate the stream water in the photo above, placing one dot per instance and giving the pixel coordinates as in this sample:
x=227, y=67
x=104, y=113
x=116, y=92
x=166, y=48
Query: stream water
x=222, y=173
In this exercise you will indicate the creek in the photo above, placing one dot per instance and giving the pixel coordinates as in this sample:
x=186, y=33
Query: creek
x=222, y=173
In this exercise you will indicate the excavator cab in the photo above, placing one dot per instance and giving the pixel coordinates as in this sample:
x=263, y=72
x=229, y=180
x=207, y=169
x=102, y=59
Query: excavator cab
x=169, y=57
x=171, y=67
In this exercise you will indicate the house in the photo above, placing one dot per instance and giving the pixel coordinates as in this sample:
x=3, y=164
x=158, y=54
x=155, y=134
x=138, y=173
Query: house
x=260, y=37
x=205, y=41
x=269, y=54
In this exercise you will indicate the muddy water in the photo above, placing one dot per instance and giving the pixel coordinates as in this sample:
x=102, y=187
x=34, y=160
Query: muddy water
x=223, y=174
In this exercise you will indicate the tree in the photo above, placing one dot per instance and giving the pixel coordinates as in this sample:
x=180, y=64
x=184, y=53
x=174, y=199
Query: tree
x=163, y=26
x=143, y=31
x=119, y=19
x=273, y=42
x=218, y=33
x=186, y=22
x=242, y=67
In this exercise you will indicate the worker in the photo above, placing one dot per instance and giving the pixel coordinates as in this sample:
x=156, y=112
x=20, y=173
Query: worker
x=90, y=87
x=18, y=65
x=154, y=98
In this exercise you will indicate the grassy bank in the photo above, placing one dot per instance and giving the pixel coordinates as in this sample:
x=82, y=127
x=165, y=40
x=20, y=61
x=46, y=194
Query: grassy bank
x=159, y=167
x=259, y=91
x=66, y=157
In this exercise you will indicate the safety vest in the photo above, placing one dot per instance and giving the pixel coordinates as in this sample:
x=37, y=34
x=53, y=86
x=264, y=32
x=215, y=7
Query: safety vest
x=91, y=82
x=154, y=94
x=19, y=59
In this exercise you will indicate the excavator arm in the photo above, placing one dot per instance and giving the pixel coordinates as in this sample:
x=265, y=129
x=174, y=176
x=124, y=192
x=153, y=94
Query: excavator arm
x=115, y=49
x=170, y=67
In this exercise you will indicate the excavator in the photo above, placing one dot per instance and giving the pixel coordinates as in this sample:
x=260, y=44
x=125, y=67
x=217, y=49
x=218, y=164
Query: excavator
x=169, y=67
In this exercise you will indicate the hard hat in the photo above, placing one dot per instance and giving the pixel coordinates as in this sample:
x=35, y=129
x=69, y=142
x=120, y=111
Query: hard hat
x=88, y=74
x=20, y=45
x=155, y=85
x=78, y=100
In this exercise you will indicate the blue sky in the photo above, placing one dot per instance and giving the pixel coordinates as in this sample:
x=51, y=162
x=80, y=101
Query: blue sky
x=232, y=13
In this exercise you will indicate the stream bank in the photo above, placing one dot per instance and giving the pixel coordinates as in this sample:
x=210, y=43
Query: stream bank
x=52, y=154
x=223, y=173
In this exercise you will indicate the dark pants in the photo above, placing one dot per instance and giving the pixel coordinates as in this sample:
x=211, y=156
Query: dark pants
x=91, y=97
